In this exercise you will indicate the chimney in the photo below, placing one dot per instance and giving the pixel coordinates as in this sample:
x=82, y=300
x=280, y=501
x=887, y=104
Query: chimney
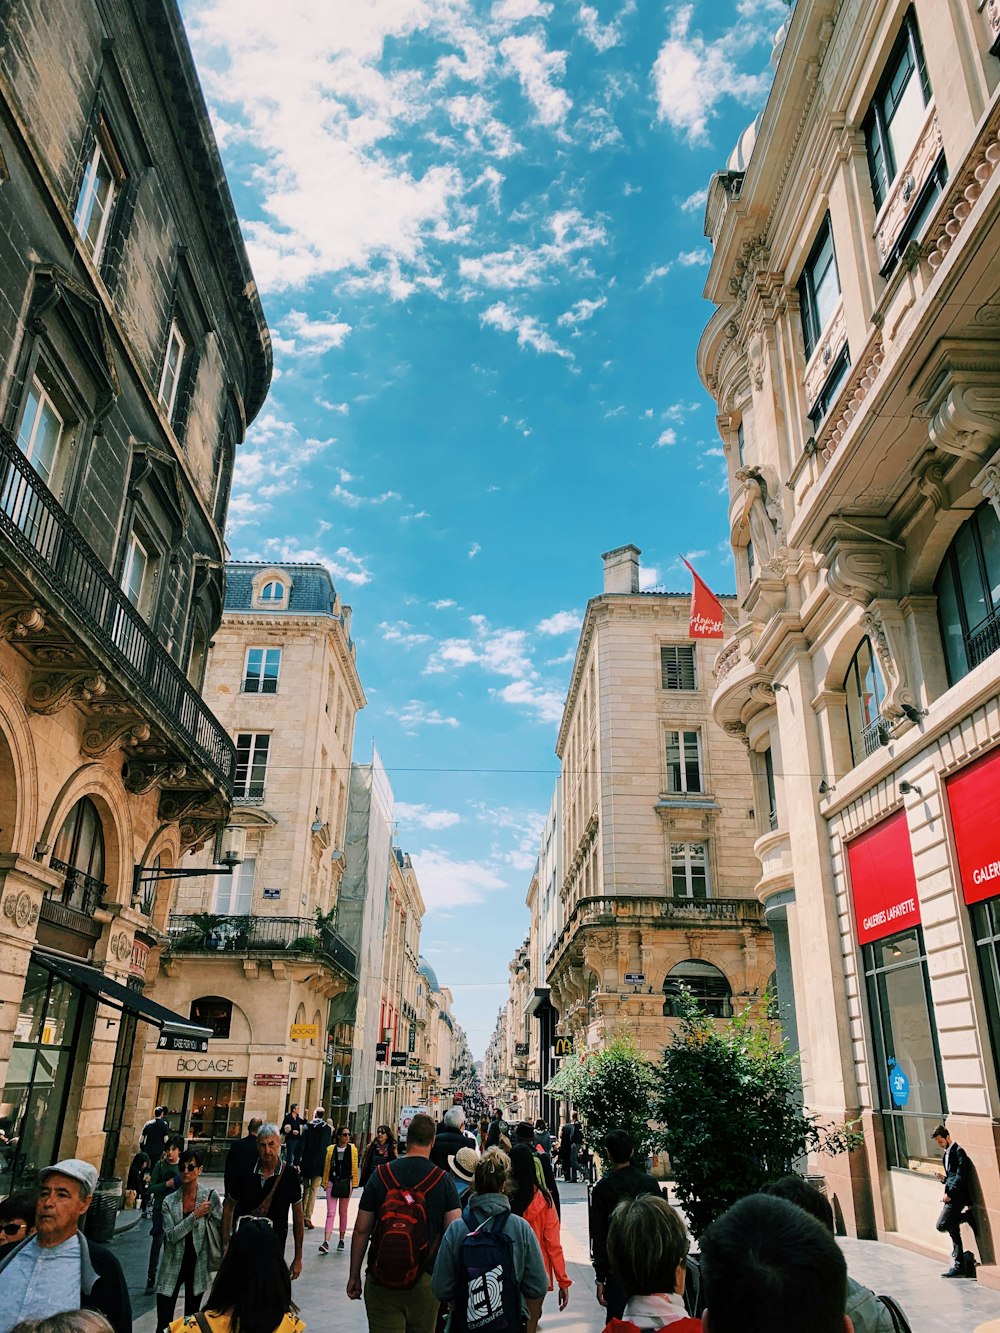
x=621, y=569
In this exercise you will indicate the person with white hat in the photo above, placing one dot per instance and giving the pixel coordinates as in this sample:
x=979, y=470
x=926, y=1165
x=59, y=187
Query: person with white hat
x=58, y=1269
x=462, y=1165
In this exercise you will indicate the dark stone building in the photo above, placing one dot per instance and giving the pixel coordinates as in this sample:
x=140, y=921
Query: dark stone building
x=133, y=353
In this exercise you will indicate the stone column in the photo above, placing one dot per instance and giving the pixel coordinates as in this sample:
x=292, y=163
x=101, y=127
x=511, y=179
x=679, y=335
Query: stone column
x=23, y=884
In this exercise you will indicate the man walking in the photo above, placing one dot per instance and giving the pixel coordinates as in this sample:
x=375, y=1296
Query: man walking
x=570, y=1141
x=242, y=1156
x=316, y=1138
x=408, y=1204
x=450, y=1137
x=164, y=1179
x=58, y=1269
x=155, y=1133
x=623, y=1181
x=955, y=1173
x=269, y=1189
x=498, y=1128
x=292, y=1127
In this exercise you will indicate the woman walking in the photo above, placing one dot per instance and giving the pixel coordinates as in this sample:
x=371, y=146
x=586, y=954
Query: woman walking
x=252, y=1292
x=381, y=1150
x=340, y=1176
x=184, y=1261
x=532, y=1201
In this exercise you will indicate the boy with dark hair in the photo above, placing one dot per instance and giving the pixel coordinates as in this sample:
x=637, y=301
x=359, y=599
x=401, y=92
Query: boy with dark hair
x=766, y=1265
x=623, y=1181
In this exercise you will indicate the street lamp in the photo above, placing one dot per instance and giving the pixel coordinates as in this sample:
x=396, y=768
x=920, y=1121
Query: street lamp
x=230, y=846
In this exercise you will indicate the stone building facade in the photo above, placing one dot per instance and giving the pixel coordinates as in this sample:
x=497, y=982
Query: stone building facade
x=657, y=827
x=259, y=954
x=854, y=358
x=134, y=353
x=397, y=1081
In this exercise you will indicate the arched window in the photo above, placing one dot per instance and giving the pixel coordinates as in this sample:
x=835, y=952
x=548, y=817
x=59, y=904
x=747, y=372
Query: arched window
x=865, y=690
x=213, y=1011
x=273, y=593
x=968, y=593
x=79, y=852
x=706, y=984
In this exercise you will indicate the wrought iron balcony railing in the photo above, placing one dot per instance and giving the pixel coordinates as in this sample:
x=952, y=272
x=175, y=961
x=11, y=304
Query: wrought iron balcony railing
x=212, y=933
x=83, y=893
x=46, y=539
x=983, y=641
x=874, y=734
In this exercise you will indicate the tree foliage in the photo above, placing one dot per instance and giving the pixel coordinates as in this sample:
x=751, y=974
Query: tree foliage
x=613, y=1089
x=729, y=1109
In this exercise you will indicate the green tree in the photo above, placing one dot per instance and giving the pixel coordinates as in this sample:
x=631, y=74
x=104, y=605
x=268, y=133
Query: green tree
x=613, y=1089
x=728, y=1104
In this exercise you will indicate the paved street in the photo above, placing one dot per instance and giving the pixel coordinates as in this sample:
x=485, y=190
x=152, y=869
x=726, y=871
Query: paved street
x=933, y=1305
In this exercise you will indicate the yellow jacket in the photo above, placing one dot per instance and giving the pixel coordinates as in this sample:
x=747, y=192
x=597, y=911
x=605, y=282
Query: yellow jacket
x=329, y=1162
x=221, y=1323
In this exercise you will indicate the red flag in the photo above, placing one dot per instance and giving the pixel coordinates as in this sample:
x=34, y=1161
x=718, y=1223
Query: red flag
x=706, y=611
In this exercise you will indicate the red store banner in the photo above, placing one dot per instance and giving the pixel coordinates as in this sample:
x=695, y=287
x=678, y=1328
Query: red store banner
x=973, y=794
x=883, y=881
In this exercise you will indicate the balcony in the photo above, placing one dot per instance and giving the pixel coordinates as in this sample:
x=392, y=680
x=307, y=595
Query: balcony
x=739, y=681
x=80, y=892
x=291, y=937
x=983, y=641
x=672, y=913
x=87, y=645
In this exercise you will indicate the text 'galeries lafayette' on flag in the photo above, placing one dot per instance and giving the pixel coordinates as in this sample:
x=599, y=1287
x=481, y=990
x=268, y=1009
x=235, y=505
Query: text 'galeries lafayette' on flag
x=706, y=610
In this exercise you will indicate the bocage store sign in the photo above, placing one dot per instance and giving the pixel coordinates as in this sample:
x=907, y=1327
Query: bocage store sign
x=883, y=881
x=972, y=798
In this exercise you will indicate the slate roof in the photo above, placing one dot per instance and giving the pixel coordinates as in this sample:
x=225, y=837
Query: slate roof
x=311, y=591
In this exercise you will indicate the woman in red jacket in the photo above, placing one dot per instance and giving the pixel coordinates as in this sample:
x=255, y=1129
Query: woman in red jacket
x=531, y=1200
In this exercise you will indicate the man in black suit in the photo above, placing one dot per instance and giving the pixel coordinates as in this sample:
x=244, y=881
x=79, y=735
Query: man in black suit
x=955, y=1173
x=242, y=1155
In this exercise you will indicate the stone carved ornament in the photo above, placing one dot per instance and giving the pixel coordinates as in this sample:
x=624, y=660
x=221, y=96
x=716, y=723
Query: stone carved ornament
x=762, y=513
x=20, y=908
x=883, y=625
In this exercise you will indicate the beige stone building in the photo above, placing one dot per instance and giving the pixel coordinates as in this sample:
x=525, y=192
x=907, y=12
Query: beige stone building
x=133, y=353
x=854, y=358
x=256, y=956
x=397, y=1081
x=657, y=825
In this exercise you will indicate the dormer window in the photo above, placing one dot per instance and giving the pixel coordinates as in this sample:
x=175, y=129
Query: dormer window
x=273, y=593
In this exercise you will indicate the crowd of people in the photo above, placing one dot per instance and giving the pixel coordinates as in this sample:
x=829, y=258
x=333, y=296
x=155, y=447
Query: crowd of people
x=457, y=1228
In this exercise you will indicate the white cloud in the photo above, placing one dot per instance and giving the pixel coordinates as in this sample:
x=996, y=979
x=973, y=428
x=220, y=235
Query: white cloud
x=526, y=266
x=474, y=550
x=474, y=115
x=415, y=714
x=444, y=604
x=666, y=438
x=422, y=816
x=581, y=311
x=560, y=623
x=505, y=652
x=694, y=258
x=355, y=501
x=561, y=661
x=402, y=633
x=657, y=272
x=516, y=11
x=546, y=704
x=269, y=464
x=679, y=411
x=341, y=409
x=649, y=577
x=529, y=332
x=695, y=201
x=449, y=882
x=601, y=36
x=310, y=337
x=344, y=566
x=691, y=76
x=537, y=69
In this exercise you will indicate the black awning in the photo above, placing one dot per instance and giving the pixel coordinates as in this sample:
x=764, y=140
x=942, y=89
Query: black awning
x=118, y=996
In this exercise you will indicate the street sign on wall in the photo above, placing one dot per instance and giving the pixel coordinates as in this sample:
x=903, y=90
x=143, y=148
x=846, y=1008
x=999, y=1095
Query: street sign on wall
x=381, y=1052
x=635, y=978
x=399, y=1059
x=270, y=1080
x=304, y=1031
x=521, y=1048
x=563, y=1046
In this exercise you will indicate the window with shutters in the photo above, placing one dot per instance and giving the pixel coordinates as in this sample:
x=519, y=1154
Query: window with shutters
x=677, y=667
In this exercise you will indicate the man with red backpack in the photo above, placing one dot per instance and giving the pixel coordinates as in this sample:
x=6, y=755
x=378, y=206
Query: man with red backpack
x=406, y=1207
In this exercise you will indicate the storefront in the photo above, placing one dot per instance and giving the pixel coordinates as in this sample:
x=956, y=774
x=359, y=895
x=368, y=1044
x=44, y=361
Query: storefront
x=205, y=1104
x=909, y=1084
x=49, y=1060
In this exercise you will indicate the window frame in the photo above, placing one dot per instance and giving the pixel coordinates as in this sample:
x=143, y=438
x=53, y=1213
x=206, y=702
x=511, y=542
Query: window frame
x=876, y=125
x=808, y=287
x=989, y=625
x=262, y=678
x=831, y=387
x=263, y=598
x=683, y=737
x=869, y=741
x=44, y=398
x=251, y=789
x=684, y=655
x=687, y=863
x=719, y=1005
x=104, y=149
x=168, y=400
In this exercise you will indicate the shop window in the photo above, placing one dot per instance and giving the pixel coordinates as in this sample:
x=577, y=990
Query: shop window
x=251, y=765
x=260, y=675
x=215, y=1012
x=677, y=667
x=683, y=762
x=907, y=1061
x=896, y=114
x=79, y=854
x=865, y=690
x=208, y=1114
x=968, y=593
x=705, y=983
x=689, y=869
x=103, y=178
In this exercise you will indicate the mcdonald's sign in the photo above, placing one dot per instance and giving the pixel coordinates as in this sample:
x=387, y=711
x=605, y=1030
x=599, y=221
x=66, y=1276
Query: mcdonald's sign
x=563, y=1046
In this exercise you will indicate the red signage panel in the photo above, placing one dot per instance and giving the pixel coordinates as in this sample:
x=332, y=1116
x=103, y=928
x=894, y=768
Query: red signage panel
x=883, y=881
x=972, y=795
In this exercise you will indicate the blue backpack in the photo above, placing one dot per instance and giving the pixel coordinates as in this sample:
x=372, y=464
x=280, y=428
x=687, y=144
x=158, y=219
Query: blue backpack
x=486, y=1297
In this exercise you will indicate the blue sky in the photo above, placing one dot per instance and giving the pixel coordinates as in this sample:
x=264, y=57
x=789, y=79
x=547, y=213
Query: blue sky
x=477, y=230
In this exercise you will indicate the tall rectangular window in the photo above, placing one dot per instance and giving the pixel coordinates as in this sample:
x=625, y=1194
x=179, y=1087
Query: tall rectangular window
x=819, y=287
x=683, y=762
x=251, y=765
x=772, y=799
x=677, y=667
x=740, y=444
x=897, y=112
x=751, y=563
x=234, y=893
x=41, y=432
x=135, y=571
x=261, y=673
x=907, y=1061
x=689, y=869
x=102, y=181
x=173, y=363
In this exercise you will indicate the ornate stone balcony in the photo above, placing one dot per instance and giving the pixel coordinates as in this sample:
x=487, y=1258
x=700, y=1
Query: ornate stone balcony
x=88, y=646
x=738, y=679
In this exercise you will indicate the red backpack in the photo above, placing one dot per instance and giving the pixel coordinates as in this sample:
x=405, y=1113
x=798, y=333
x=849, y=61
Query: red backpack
x=402, y=1243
